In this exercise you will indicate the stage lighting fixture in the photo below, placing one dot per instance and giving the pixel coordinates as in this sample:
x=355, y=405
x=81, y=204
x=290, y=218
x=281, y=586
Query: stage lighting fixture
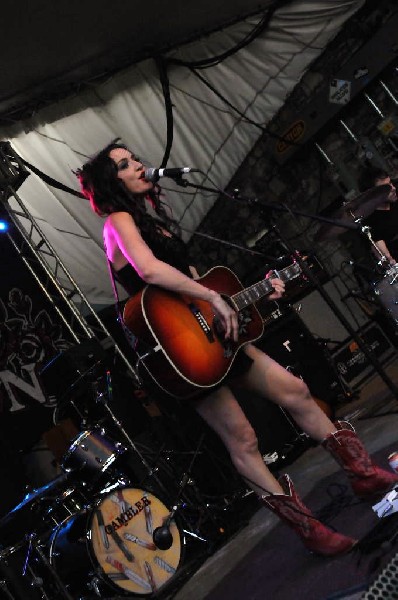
x=3, y=226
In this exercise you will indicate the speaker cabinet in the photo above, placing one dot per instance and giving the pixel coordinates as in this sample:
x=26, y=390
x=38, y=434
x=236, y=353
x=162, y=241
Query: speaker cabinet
x=320, y=318
x=351, y=362
x=290, y=343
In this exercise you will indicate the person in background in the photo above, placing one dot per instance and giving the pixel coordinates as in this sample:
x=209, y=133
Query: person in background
x=143, y=249
x=383, y=222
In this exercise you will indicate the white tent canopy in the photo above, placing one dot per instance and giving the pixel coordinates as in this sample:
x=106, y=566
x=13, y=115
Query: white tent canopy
x=208, y=134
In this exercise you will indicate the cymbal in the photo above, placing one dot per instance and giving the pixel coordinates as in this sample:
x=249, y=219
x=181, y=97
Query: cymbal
x=35, y=495
x=26, y=517
x=357, y=209
x=367, y=202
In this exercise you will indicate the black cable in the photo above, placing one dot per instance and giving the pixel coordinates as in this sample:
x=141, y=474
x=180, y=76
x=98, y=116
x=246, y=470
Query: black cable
x=215, y=60
x=164, y=80
x=259, y=28
x=228, y=103
x=50, y=181
x=318, y=201
x=262, y=128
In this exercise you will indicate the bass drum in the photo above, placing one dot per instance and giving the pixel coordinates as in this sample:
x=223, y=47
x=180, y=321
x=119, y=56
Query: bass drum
x=110, y=547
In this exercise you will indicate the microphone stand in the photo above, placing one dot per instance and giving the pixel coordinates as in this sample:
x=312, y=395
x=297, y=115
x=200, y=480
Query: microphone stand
x=307, y=271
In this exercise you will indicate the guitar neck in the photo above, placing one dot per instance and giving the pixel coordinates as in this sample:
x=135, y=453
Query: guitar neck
x=257, y=291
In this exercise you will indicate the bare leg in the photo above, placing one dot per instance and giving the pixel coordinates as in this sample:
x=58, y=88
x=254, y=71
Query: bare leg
x=267, y=378
x=222, y=412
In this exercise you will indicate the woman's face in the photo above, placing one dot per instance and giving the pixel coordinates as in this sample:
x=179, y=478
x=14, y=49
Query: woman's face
x=130, y=170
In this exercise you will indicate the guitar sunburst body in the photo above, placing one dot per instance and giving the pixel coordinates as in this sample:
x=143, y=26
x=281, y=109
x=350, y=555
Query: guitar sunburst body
x=189, y=353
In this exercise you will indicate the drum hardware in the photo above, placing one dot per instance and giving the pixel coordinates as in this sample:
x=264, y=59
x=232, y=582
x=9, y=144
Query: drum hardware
x=20, y=580
x=37, y=547
x=32, y=572
x=105, y=399
x=66, y=376
x=191, y=506
x=383, y=261
x=66, y=504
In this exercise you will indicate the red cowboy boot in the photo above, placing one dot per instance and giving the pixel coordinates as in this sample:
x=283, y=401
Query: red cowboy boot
x=315, y=536
x=366, y=478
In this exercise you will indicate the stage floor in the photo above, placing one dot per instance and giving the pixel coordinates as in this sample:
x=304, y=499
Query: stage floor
x=266, y=560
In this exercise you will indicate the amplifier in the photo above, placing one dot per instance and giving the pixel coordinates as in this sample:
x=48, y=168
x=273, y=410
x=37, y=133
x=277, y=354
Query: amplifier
x=291, y=344
x=351, y=362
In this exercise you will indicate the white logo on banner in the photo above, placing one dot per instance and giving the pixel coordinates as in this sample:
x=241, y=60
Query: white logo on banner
x=339, y=91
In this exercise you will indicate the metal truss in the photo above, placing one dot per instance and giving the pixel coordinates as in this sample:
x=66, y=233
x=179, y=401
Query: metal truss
x=41, y=259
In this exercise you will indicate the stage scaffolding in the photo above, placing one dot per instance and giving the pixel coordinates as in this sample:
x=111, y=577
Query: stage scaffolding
x=41, y=259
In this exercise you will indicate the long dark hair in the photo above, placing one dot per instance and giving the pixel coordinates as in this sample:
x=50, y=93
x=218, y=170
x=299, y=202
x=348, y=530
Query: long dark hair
x=107, y=194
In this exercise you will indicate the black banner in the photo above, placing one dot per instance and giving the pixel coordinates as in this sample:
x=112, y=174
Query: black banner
x=30, y=335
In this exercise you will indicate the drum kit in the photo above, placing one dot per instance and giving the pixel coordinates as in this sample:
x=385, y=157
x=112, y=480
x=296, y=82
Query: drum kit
x=104, y=528
x=384, y=276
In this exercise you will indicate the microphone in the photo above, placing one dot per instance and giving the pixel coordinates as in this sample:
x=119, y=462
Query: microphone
x=162, y=536
x=154, y=175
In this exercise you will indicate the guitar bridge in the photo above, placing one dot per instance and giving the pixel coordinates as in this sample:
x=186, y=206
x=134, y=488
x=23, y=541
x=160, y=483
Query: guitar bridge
x=202, y=321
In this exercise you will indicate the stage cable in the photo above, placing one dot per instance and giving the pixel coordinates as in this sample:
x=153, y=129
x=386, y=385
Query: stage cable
x=164, y=80
x=50, y=181
x=257, y=30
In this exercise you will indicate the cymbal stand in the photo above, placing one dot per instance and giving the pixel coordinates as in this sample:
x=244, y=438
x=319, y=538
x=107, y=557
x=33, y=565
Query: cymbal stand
x=105, y=399
x=383, y=260
x=34, y=546
x=185, y=479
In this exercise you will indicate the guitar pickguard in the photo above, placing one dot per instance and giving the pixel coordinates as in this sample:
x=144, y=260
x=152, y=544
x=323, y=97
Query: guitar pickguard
x=244, y=320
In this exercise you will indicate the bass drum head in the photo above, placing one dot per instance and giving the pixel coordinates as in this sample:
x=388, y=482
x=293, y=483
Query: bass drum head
x=121, y=532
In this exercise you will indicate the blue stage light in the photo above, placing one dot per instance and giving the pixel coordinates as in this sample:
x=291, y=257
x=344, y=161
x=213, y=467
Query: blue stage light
x=3, y=226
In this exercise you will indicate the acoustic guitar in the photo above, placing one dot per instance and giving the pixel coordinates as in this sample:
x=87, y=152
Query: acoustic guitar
x=181, y=343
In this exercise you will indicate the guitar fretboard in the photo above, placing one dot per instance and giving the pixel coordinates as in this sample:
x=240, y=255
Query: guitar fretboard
x=252, y=294
x=258, y=290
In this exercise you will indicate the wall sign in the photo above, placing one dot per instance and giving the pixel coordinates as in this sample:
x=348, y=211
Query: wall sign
x=339, y=91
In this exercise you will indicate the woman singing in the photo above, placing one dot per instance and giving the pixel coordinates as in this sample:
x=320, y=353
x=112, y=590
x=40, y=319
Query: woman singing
x=142, y=250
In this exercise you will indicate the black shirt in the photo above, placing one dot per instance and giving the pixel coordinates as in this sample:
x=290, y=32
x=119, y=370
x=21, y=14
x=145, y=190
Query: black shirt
x=384, y=226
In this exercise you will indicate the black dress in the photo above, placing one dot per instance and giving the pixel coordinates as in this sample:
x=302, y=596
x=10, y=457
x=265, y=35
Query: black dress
x=168, y=248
